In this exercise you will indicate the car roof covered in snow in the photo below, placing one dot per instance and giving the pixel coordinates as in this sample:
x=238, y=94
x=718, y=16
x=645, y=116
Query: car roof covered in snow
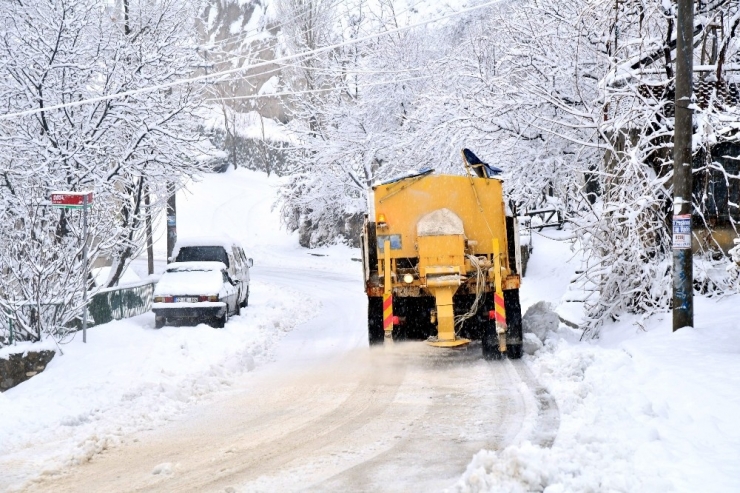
x=195, y=266
x=196, y=241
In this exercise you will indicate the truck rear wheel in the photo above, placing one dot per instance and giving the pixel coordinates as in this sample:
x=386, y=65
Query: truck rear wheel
x=513, y=324
x=375, y=332
x=490, y=342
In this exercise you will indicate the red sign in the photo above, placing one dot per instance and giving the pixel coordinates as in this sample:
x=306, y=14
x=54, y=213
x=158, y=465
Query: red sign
x=71, y=199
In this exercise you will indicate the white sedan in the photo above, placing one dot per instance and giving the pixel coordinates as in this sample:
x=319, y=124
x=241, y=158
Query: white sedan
x=195, y=292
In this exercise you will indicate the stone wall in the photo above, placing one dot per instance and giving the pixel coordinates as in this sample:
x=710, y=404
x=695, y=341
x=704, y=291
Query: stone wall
x=17, y=368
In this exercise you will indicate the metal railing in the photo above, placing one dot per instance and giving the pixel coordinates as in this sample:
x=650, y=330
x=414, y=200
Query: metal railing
x=121, y=302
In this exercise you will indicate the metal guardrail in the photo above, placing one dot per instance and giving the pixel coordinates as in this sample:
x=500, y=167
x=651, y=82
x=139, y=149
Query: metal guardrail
x=546, y=216
x=121, y=302
x=104, y=306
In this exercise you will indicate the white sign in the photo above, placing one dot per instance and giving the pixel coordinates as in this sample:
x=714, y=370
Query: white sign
x=682, y=232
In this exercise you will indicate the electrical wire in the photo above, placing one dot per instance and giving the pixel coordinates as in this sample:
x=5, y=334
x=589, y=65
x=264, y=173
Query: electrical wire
x=248, y=67
x=310, y=91
x=480, y=288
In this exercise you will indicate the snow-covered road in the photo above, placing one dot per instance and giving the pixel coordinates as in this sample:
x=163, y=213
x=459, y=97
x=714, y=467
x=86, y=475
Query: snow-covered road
x=321, y=411
x=330, y=415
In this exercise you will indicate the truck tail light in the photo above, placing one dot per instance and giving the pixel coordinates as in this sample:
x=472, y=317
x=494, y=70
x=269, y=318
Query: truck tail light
x=492, y=315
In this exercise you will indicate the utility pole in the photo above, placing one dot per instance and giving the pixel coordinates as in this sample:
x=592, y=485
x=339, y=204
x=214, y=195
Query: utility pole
x=84, y=267
x=683, y=265
x=171, y=220
x=149, y=235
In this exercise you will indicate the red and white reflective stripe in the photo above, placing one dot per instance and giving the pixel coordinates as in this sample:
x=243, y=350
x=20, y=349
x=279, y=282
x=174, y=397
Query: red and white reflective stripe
x=387, y=312
x=500, y=311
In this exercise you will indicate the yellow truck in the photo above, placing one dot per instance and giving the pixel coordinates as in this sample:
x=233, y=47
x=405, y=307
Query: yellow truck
x=441, y=262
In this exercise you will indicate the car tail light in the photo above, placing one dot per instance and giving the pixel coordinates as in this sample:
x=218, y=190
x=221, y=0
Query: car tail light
x=158, y=299
x=491, y=315
x=208, y=298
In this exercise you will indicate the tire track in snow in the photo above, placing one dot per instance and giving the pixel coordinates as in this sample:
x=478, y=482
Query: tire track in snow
x=548, y=414
x=470, y=404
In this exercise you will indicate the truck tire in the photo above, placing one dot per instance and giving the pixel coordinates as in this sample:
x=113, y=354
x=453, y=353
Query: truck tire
x=513, y=324
x=489, y=342
x=375, y=332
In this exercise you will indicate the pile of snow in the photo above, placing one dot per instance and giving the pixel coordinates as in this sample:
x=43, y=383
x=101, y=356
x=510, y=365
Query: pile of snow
x=539, y=320
x=440, y=222
x=199, y=278
x=270, y=86
x=641, y=409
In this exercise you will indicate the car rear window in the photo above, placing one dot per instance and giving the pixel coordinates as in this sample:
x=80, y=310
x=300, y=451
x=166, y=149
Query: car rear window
x=203, y=254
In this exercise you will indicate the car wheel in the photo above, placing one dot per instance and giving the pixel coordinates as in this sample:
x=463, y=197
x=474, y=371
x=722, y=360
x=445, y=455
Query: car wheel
x=221, y=321
x=159, y=322
x=245, y=303
x=237, y=308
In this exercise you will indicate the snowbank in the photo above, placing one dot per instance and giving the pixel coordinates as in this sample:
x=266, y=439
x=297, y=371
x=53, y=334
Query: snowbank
x=130, y=377
x=641, y=409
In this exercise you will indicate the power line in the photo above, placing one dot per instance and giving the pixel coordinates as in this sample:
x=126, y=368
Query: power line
x=199, y=78
x=309, y=91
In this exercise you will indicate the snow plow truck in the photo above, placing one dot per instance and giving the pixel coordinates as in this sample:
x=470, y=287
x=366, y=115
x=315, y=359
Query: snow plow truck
x=441, y=261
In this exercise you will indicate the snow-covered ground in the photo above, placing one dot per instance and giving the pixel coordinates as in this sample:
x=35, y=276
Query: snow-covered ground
x=641, y=409
x=130, y=377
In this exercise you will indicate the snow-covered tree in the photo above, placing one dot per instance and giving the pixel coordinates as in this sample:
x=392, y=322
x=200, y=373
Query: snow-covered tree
x=65, y=51
x=351, y=114
x=572, y=98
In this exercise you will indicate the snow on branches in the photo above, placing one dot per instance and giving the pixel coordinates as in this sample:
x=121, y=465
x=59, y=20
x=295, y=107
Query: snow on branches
x=573, y=98
x=126, y=150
